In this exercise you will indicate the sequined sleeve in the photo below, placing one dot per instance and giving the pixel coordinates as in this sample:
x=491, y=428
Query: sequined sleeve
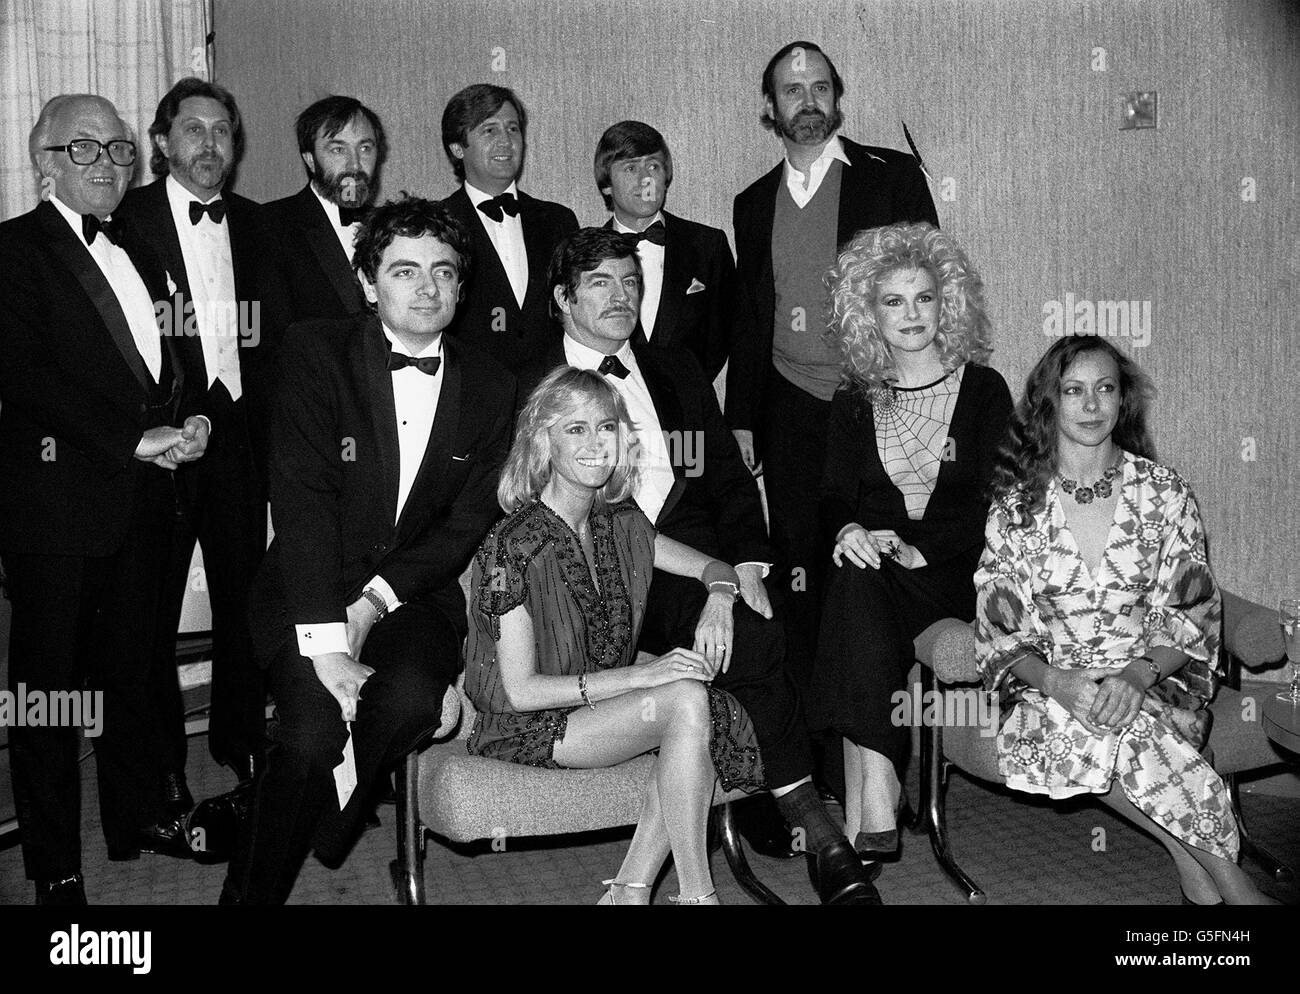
x=500, y=579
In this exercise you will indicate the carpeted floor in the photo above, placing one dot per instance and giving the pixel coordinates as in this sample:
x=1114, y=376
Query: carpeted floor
x=1021, y=850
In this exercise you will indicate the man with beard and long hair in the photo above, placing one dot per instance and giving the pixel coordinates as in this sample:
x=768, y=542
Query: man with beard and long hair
x=343, y=147
x=790, y=225
x=214, y=246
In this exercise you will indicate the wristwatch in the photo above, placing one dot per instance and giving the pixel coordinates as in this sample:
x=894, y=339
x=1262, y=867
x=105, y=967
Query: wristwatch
x=376, y=601
x=1154, y=667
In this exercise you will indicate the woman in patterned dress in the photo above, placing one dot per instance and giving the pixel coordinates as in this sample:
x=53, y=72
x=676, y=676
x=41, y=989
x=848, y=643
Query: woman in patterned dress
x=557, y=597
x=1099, y=618
x=912, y=436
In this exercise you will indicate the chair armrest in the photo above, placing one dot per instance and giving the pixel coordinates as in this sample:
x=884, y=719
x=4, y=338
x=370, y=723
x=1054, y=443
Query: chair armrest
x=1251, y=631
x=948, y=648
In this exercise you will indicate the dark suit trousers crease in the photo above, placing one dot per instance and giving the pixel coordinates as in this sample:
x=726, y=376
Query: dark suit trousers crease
x=757, y=677
x=415, y=653
x=869, y=621
x=89, y=622
x=219, y=504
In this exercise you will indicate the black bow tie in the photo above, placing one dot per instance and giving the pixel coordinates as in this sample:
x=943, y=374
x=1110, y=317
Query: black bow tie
x=653, y=234
x=429, y=364
x=612, y=364
x=506, y=203
x=215, y=209
x=92, y=226
x=351, y=215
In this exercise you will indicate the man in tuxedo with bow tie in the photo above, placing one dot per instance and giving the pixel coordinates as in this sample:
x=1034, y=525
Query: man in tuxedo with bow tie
x=212, y=243
x=695, y=489
x=688, y=277
x=90, y=397
x=484, y=131
x=343, y=147
x=387, y=440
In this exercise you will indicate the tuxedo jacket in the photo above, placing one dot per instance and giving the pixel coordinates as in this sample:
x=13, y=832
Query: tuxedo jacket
x=489, y=317
x=697, y=303
x=713, y=505
x=334, y=477
x=74, y=391
x=146, y=212
x=316, y=276
x=879, y=186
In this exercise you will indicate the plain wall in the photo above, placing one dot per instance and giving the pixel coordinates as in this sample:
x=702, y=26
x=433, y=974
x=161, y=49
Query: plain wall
x=1007, y=101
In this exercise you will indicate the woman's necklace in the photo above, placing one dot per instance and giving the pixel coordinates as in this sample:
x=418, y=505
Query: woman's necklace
x=1086, y=495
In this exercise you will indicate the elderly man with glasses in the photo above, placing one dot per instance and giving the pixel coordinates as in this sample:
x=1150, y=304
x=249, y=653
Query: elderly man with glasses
x=92, y=425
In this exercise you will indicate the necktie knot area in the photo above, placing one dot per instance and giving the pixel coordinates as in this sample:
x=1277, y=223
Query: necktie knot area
x=499, y=206
x=427, y=364
x=215, y=209
x=612, y=364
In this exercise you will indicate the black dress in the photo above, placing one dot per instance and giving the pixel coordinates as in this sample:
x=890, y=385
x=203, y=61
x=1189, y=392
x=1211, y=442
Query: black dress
x=870, y=617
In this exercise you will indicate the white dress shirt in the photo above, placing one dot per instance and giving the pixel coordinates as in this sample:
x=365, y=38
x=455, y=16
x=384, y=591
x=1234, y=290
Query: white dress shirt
x=507, y=236
x=794, y=179
x=345, y=233
x=415, y=402
x=127, y=287
x=205, y=247
x=652, y=273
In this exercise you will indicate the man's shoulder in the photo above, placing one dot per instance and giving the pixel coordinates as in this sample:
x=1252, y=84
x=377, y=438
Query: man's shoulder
x=676, y=363
x=546, y=208
x=483, y=367
x=876, y=156
x=321, y=340
x=24, y=227
x=290, y=206
x=760, y=186
x=143, y=198
x=701, y=234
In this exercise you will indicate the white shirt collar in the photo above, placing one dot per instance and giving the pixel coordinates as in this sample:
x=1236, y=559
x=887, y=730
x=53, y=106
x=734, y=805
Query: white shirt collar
x=331, y=208
x=585, y=357
x=181, y=197
x=400, y=349
x=71, y=216
x=834, y=150
x=477, y=196
x=622, y=228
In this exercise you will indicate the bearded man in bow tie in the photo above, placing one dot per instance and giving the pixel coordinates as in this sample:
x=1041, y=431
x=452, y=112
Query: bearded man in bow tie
x=506, y=308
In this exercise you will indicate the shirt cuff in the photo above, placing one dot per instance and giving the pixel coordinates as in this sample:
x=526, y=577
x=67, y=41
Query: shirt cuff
x=316, y=640
x=380, y=586
x=765, y=567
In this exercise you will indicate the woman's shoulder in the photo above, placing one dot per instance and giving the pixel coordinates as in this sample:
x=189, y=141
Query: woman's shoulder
x=627, y=514
x=1159, y=475
x=519, y=536
x=984, y=379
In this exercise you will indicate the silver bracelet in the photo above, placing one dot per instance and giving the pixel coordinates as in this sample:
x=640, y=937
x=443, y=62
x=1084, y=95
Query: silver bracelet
x=582, y=689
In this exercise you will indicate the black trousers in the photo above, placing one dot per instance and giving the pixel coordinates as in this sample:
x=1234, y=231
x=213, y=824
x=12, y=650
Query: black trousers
x=89, y=623
x=757, y=676
x=219, y=503
x=415, y=652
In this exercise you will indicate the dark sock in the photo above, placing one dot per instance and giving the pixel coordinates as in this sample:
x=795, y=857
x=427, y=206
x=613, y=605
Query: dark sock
x=802, y=808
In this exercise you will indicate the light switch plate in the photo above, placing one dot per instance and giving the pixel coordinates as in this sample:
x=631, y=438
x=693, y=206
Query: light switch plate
x=1138, y=110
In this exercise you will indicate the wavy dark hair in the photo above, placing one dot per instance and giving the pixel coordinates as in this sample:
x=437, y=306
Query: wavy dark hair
x=170, y=106
x=1028, y=456
x=409, y=217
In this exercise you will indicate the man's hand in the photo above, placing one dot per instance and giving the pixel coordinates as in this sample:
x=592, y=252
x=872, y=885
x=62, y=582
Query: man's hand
x=194, y=440
x=713, y=632
x=156, y=443
x=361, y=618
x=745, y=440
x=343, y=677
x=752, y=589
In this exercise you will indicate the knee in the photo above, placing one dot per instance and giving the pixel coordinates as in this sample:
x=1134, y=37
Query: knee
x=410, y=694
x=690, y=706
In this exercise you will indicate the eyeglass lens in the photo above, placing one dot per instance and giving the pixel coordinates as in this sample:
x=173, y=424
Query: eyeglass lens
x=85, y=151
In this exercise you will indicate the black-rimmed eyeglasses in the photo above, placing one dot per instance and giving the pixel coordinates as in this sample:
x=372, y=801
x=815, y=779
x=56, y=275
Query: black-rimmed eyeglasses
x=86, y=151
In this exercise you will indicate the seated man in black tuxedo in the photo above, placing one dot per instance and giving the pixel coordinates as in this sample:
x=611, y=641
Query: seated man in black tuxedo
x=90, y=393
x=212, y=242
x=696, y=489
x=386, y=444
x=688, y=276
x=484, y=130
x=343, y=147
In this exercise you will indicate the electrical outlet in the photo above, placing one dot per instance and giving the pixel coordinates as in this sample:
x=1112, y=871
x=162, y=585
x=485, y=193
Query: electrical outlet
x=1138, y=110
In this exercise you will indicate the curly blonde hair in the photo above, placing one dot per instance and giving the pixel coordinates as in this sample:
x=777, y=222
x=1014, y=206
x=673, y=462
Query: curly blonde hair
x=528, y=466
x=964, y=332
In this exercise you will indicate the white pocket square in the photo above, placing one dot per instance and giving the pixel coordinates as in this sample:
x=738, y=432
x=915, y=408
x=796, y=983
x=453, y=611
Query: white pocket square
x=171, y=284
x=695, y=287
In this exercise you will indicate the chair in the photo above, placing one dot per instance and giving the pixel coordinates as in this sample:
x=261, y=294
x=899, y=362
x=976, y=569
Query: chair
x=946, y=652
x=445, y=791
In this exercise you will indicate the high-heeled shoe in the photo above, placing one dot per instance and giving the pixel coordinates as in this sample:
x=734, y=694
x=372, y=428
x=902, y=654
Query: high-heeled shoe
x=608, y=896
x=710, y=898
x=1197, y=904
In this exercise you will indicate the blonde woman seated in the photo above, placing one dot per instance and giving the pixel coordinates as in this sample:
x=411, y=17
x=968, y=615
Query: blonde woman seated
x=1098, y=616
x=557, y=599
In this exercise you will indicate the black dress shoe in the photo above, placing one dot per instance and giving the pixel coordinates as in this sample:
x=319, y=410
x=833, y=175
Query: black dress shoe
x=760, y=823
x=177, y=799
x=70, y=892
x=167, y=838
x=878, y=846
x=839, y=877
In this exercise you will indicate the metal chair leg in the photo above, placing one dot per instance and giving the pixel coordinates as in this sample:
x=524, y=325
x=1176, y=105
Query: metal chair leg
x=408, y=868
x=734, y=850
x=1275, y=868
x=933, y=794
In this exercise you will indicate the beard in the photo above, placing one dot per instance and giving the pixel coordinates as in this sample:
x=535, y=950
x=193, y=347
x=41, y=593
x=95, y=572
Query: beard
x=809, y=126
x=354, y=188
x=206, y=170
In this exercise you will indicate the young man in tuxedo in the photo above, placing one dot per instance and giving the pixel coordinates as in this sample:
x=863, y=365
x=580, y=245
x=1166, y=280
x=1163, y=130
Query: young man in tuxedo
x=698, y=492
x=343, y=147
x=789, y=227
x=387, y=441
x=484, y=131
x=688, y=276
x=90, y=396
x=214, y=248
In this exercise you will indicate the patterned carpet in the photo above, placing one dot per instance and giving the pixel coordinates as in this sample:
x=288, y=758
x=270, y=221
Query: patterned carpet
x=1021, y=850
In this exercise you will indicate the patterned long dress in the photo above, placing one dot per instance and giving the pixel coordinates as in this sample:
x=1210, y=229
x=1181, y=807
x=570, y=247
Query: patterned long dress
x=1153, y=588
x=580, y=625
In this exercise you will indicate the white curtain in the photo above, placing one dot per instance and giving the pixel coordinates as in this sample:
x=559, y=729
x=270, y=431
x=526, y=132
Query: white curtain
x=130, y=51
